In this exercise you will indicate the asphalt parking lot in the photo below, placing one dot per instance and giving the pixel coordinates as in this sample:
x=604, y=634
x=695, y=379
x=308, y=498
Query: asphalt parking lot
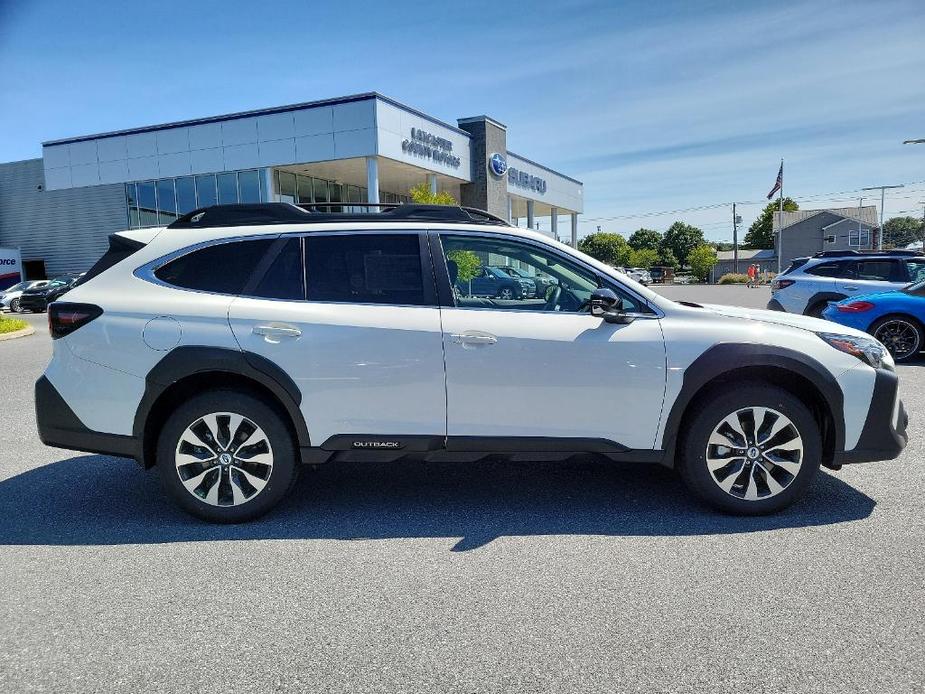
x=489, y=577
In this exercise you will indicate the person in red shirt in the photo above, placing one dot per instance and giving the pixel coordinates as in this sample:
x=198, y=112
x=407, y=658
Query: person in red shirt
x=752, y=273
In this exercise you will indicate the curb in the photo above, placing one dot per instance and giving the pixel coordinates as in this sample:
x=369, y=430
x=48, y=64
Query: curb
x=29, y=330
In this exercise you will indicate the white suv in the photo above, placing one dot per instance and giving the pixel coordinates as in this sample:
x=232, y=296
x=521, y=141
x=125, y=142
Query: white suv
x=242, y=340
x=809, y=284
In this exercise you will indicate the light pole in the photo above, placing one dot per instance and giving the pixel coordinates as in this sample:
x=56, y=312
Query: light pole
x=882, y=199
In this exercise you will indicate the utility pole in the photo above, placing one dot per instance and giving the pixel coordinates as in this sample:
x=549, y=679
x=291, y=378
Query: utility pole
x=860, y=210
x=882, y=190
x=736, y=220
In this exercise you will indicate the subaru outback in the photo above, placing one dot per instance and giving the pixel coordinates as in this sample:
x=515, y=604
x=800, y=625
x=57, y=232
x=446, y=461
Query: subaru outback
x=242, y=341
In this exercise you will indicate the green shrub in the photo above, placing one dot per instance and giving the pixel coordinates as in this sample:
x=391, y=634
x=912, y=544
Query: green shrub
x=734, y=278
x=11, y=325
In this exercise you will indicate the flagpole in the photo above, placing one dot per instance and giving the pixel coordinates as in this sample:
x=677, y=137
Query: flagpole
x=780, y=219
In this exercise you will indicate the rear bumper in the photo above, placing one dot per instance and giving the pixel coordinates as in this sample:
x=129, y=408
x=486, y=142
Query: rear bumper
x=884, y=434
x=775, y=305
x=33, y=303
x=59, y=427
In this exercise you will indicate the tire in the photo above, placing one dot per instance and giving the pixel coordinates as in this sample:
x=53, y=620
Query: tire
x=756, y=484
x=506, y=293
x=14, y=306
x=816, y=309
x=902, y=335
x=243, y=488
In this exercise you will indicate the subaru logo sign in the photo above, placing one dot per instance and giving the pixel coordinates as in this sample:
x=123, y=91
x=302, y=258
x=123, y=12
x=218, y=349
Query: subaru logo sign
x=498, y=164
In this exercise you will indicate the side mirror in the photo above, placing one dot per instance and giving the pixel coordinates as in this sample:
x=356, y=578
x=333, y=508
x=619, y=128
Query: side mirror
x=606, y=304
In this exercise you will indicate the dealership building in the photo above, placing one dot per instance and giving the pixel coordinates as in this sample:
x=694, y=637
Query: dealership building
x=59, y=209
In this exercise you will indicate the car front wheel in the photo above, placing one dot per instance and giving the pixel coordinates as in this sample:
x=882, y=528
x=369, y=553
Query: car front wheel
x=506, y=293
x=14, y=306
x=226, y=456
x=751, y=450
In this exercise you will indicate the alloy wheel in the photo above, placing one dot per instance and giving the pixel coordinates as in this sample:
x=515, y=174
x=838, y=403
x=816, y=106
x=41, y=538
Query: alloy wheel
x=224, y=459
x=899, y=336
x=754, y=453
x=506, y=293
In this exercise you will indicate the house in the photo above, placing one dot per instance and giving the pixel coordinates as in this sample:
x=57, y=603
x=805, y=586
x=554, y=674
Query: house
x=725, y=261
x=806, y=232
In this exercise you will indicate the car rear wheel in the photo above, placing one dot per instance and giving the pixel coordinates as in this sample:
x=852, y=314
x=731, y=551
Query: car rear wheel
x=899, y=334
x=816, y=309
x=750, y=451
x=226, y=456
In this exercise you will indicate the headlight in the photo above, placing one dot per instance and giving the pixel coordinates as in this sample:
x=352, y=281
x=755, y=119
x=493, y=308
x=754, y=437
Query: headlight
x=866, y=349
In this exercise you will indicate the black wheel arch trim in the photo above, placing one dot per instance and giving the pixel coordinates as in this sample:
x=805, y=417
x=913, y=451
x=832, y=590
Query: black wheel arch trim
x=820, y=297
x=191, y=360
x=727, y=357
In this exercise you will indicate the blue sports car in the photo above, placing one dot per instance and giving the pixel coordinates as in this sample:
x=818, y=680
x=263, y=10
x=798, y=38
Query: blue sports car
x=895, y=318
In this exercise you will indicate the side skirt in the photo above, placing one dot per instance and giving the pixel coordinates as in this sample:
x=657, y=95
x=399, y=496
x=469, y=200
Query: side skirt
x=379, y=448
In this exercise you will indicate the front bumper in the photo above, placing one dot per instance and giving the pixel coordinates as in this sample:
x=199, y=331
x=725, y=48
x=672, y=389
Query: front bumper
x=59, y=427
x=884, y=434
x=775, y=305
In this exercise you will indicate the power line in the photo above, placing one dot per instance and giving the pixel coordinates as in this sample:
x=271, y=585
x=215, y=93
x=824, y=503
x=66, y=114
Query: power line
x=713, y=206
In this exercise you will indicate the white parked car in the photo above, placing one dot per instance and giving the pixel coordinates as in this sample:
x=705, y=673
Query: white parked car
x=241, y=341
x=809, y=284
x=640, y=274
x=9, y=298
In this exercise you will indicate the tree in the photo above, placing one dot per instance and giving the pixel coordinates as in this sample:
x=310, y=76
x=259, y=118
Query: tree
x=468, y=264
x=899, y=232
x=666, y=258
x=702, y=259
x=606, y=247
x=645, y=238
x=644, y=257
x=761, y=233
x=421, y=194
x=681, y=239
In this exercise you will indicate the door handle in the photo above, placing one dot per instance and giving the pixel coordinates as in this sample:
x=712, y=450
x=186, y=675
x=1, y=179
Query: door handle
x=850, y=288
x=277, y=331
x=474, y=339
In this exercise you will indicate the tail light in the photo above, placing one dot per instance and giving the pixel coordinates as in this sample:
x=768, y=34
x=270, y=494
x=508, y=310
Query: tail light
x=64, y=318
x=781, y=284
x=854, y=307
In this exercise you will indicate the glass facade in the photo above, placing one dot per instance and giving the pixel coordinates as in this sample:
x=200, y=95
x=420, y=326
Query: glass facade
x=160, y=202
x=307, y=190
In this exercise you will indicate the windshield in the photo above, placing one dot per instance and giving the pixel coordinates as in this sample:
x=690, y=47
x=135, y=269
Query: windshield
x=916, y=288
x=17, y=287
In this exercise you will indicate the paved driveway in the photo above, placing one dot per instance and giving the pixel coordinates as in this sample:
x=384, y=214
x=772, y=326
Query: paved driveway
x=487, y=577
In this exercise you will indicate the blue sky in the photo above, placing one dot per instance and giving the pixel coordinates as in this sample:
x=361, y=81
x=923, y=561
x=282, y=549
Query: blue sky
x=656, y=106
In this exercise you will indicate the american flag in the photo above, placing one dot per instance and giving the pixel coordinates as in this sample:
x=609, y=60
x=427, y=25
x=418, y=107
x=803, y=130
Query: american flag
x=779, y=183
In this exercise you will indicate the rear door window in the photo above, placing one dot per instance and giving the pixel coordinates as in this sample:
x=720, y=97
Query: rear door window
x=222, y=268
x=285, y=278
x=366, y=269
x=879, y=271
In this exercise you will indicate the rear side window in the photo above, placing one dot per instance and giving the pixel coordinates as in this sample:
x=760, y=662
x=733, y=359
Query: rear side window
x=365, y=268
x=223, y=268
x=829, y=270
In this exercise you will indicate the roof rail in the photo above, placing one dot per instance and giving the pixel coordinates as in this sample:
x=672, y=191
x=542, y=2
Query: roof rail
x=244, y=214
x=852, y=253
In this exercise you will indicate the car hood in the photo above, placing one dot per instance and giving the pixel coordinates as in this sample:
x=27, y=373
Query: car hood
x=793, y=320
